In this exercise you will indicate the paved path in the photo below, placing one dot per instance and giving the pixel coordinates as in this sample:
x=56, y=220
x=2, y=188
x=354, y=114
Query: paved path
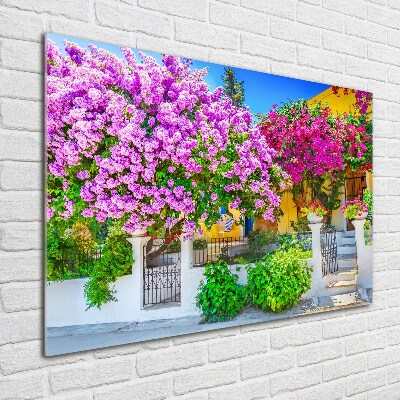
x=86, y=337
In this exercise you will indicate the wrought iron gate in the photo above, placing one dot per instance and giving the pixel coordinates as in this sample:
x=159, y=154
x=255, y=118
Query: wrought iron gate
x=329, y=249
x=161, y=273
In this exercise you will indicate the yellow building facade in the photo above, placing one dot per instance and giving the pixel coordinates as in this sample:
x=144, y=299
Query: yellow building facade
x=339, y=103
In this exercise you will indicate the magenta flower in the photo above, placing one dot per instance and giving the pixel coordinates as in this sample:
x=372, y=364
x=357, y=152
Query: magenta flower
x=312, y=142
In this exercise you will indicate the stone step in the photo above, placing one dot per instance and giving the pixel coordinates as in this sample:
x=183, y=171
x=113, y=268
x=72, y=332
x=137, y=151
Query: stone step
x=339, y=284
x=351, y=263
x=352, y=298
x=350, y=233
x=348, y=240
x=343, y=274
x=339, y=235
x=348, y=268
x=347, y=249
x=346, y=259
x=340, y=287
x=334, y=291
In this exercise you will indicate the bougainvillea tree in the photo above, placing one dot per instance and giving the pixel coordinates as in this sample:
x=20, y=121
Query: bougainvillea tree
x=148, y=143
x=316, y=147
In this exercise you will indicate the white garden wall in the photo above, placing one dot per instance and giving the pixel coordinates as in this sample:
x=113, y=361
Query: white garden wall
x=352, y=354
x=66, y=304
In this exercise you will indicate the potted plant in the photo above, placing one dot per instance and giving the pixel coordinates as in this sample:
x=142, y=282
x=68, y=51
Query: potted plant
x=355, y=209
x=314, y=212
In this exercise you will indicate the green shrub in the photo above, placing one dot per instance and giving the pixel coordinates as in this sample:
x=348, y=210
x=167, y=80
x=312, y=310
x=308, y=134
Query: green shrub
x=301, y=225
x=116, y=261
x=368, y=232
x=220, y=297
x=99, y=289
x=257, y=242
x=286, y=241
x=368, y=200
x=300, y=241
x=69, y=246
x=277, y=282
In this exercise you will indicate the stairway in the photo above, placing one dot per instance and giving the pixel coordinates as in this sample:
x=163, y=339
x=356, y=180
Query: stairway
x=341, y=289
x=344, y=281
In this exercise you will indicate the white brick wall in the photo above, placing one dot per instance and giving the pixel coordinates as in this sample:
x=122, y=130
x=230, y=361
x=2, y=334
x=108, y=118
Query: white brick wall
x=349, y=354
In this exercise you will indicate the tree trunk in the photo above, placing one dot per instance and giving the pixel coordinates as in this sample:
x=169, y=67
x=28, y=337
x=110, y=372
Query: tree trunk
x=299, y=201
x=155, y=253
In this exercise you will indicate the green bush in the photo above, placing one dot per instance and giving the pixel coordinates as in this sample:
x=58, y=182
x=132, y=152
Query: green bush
x=286, y=241
x=116, y=261
x=99, y=289
x=257, y=242
x=68, y=245
x=220, y=297
x=368, y=200
x=277, y=282
x=368, y=232
x=301, y=225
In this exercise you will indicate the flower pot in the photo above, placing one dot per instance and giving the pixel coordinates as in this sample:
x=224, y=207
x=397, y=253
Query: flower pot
x=361, y=215
x=314, y=218
x=139, y=232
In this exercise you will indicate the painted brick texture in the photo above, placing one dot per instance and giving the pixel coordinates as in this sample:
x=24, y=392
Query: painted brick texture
x=351, y=354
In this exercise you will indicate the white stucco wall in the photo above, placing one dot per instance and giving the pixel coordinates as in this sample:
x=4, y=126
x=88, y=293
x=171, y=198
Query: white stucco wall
x=66, y=304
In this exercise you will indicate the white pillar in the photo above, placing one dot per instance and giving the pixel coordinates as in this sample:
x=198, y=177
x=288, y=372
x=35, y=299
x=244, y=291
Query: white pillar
x=364, y=255
x=317, y=283
x=138, y=242
x=189, y=283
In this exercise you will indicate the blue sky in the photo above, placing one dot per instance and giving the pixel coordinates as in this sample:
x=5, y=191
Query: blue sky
x=261, y=89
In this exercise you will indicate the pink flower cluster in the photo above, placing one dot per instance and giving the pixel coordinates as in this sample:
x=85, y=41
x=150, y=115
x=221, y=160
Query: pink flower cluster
x=357, y=205
x=363, y=100
x=312, y=144
x=148, y=141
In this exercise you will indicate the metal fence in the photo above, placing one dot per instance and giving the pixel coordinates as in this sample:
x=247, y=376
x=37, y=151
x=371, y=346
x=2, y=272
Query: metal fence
x=329, y=250
x=225, y=248
x=77, y=262
x=161, y=275
x=305, y=239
